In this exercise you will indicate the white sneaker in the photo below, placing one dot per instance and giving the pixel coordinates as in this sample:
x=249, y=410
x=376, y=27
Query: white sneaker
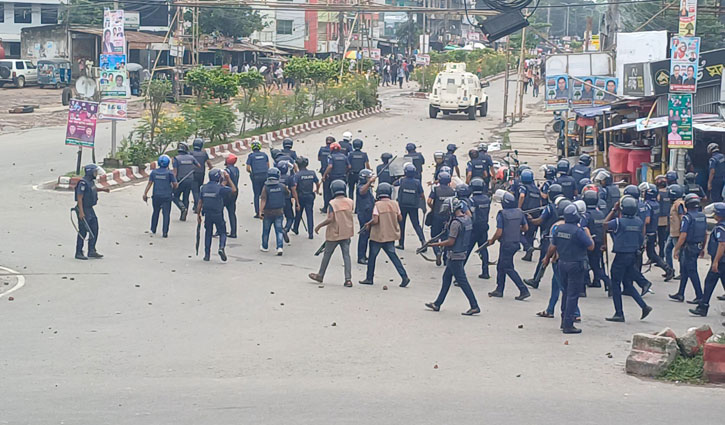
x=263, y=249
x=279, y=251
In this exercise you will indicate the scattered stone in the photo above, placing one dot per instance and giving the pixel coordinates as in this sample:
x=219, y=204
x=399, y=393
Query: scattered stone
x=651, y=355
x=609, y=355
x=435, y=366
x=320, y=286
x=64, y=277
x=11, y=298
x=521, y=326
x=667, y=332
x=566, y=342
x=334, y=324
x=138, y=286
x=385, y=287
x=691, y=342
x=72, y=278
x=518, y=376
x=281, y=303
x=271, y=292
x=140, y=256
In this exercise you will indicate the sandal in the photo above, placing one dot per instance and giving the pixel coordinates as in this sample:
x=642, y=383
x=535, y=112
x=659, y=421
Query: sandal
x=348, y=284
x=316, y=277
x=545, y=314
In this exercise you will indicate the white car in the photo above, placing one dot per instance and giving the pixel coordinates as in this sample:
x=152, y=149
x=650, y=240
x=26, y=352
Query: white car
x=456, y=90
x=18, y=72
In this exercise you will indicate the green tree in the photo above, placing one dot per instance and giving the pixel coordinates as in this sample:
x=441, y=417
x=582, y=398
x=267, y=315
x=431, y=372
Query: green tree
x=83, y=12
x=215, y=83
x=407, y=35
x=320, y=72
x=249, y=82
x=230, y=21
x=156, y=93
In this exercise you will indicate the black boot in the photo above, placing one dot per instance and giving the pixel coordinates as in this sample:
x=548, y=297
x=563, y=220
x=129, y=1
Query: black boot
x=80, y=256
x=699, y=311
x=529, y=253
x=94, y=254
x=532, y=283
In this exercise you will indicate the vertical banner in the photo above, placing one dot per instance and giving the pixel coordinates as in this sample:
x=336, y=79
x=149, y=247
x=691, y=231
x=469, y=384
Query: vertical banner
x=81, y=128
x=688, y=17
x=684, y=55
x=557, y=92
x=679, y=131
x=114, y=37
x=582, y=92
x=113, y=81
x=605, y=90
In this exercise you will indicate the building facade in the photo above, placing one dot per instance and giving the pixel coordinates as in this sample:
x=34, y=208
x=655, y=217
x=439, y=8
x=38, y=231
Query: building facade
x=14, y=16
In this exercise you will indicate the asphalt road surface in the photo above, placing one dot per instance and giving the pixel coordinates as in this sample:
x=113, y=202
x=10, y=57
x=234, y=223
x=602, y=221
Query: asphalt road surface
x=151, y=334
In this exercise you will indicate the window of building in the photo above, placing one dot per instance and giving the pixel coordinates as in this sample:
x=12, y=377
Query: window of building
x=23, y=13
x=48, y=14
x=284, y=27
x=2, y=13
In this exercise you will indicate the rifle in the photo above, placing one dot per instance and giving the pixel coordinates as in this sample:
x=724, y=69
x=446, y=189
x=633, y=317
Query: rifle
x=421, y=251
x=533, y=210
x=320, y=249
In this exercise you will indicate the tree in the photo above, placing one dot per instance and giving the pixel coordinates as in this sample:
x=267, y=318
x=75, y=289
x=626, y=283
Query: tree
x=407, y=35
x=156, y=93
x=230, y=21
x=250, y=83
x=83, y=12
x=320, y=72
x=215, y=83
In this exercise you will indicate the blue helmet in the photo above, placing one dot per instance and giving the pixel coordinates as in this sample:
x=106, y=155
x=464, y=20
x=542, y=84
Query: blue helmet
x=455, y=204
x=563, y=203
x=451, y=147
x=164, y=161
x=676, y=191
x=671, y=177
x=198, y=144
x=719, y=209
x=445, y=169
x=522, y=168
x=283, y=167
x=463, y=191
x=182, y=147
x=584, y=181
x=357, y=144
x=690, y=177
x=385, y=190
x=287, y=143
x=338, y=187
x=90, y=170
x=385, y=157
x=632, y=191
x=273, y=173
x=628, y=205
x=651, y=193
x=215, y=175
x=364, y=176
x=571, y=214
x=410, y=147
x=477, y=185
x=550, y=172
x=410, y=170
x=555, y=190
x=444, y=178
x=585, y=159
x=508, y=201
x=302, y=161
x=527, y=176
x=590, y=197
x=562, y=166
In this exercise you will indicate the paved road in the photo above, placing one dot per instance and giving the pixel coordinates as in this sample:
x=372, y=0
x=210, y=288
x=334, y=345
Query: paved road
x=151, y=334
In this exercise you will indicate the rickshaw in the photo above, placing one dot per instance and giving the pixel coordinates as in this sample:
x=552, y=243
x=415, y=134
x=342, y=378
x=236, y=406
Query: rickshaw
x=54, y=72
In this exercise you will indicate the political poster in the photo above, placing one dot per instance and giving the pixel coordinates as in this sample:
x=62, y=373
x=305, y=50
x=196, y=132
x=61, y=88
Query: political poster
x=114, y=84
x=114, y=37
x=679, y=131
x=113, y=110
x=113, y=62
x=582, y=91
x=81, y=128
x=605, y=90
x=684, y=55
x=644, y=124
x=633, y=79
x=688, y=17
x=557, y=92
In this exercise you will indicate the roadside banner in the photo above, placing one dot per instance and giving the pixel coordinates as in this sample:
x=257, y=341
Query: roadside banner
x=679, y=132
x=605, y=90
x=684, y=55
x=633, y=79
x=113, y=62
x=644, y=124
x=422, y=60
x=373, y=53
x=114, y=37
x=688, y=17
x=582, y=91
x=81, y=128
x=114, y=85
x=113, y=110
x=557, y=92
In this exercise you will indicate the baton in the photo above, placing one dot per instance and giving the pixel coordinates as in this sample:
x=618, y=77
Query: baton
x=482, y=247
x=532, y=210
x=540, y=274
x=198, y=235
x=187, y=175
x=302, y=219
x=430, y=241
x=320, y=249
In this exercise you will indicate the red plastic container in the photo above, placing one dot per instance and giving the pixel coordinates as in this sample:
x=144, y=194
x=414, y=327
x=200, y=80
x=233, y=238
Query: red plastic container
x=618, y=159
x=635, y=160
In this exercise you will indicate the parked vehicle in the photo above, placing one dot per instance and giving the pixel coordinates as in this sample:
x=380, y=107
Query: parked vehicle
x=54, y=72
x=18, y=72
x=456, y=90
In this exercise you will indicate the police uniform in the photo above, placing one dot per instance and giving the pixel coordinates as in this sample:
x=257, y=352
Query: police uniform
x=611, y=196
x=532, y=199
x=488, y=163
x=510, y=221
x=548, y=218
x=651, y=230
x=230, y=201
x=477, y=168
x=578, y=172
x=460, y=228
x=717, y=163
x=288, y=152
x=305, y=181
x=289, y=213
x=340, y=165
x=358, y=160
x=345, y=146
x=409, y=194
x=383, y=173
x=201, y=157
x=695, y=224
x=185, y=165
x=628, y=238
x=716, y=238
x=663, y=222
x=212, y=197
x=416, y=158
x=440, y=214
x=275, y=194
x=568, y=186
x=258, y=162
x=87, y=187
x=163, y=180
x=595, y=222
x=364, y=204
x=481, y=206
x=323, y=155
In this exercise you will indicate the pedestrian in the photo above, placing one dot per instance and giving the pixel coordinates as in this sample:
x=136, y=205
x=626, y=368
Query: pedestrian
x=545, y=221
x=690, y=244
x=306, y=184
x=416, y=158
x=86, y=195
x=716, y=172
x=384, y=229
x=364, y=210
x=716, y=250
x=451, y=160
x=383, y=170
x=164, y=183
x=628, y=236
x=510, y=223
x=481, y=207
x=406, y=69
x=677, y=210
x=536, y=84
x=323, y=155
x=257, y=166
x=401, y=76
x=211, y=205
x=184, y=166
x=459, y=239
x=438, y=201
x=410, y=196
x=651, y=224
x=287, y=144
x=529, y=199
x=230, y=201
x=272, y=200
x=339, y=223
x=571, y=243
x=358, y=161
x=203, y=159
x=595, y=224
x=567, y=182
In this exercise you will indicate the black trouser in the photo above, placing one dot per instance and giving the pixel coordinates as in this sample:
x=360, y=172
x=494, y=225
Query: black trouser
x=289, y=214
x=90, y=223
x=326, y=195
x=351, y=182
x=716, y=192
x=710, y=284
x=652, y=253
x=181, y=194
x=257, y=186
x=231, y=206
x=307, y=202
x=595, y=264
x=479, y=236
x=662, y=233
x=196, y=187
x=161, y=205
x=543, y=247
x=363, y=235
x=413, y=213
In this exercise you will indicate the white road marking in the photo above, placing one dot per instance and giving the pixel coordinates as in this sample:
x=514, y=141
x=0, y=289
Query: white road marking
x=20, y=284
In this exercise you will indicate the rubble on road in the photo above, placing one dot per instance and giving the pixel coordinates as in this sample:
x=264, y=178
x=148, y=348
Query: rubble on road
x=651, y=355
x=693, y=340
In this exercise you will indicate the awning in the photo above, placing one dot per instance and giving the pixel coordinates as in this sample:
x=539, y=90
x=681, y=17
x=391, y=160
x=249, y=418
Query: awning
x=593, y=111
x=702, y=122
x=623, y=126
x=714, y=127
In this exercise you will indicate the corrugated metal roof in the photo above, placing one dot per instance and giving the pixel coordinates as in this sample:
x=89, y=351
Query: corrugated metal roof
x=131, y=36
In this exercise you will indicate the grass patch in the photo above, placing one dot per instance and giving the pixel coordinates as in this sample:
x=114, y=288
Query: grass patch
x=686, y=370
x=720, y=339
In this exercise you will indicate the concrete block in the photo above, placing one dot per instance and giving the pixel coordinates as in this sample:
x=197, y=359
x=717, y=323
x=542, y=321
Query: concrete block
x=651, y=355
x=691, y=342
x=667, y=332
x=714, y=362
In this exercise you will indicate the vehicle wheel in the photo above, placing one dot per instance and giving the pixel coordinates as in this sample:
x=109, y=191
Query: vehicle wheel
x=20, y=82
x=471, y=112
x=432, y=111
x=4, y=72
x=484, y=109
x=66, y=95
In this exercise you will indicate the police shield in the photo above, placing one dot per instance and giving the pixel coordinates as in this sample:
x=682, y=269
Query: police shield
x=397, y=165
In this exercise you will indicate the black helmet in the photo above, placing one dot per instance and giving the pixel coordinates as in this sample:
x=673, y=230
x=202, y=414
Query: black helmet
x=549, y=172
x=628, y=205
x=385, y=190
x=385, y=157
x=571, y=214
x=508, y=201
x=455, y=204
x=563, y=166
x=477, y=185
x=182, y=147
x=287, y=143
x=302, y=161
x=451, y=147
x=692, y=200
x=198, y=143
x=676, y=191
x=463, y=191
x=590, y=197
x=364, y=175
x=472, y=153
x=651, y=193
x=357, y=144
x=661, y=181
x=275, y=153
x=561, y=206
x=338, y=187
x=585, y=159
x=329, y=140
x=444, y=178
x=690, y=177
x=632, y=191
x=671, y=177
x=410, y=170
x=273, y=174
x=555, y=191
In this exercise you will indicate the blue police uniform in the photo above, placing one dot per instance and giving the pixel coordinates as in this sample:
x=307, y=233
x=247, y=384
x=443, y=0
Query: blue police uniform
x=532, y=199
x=481, y=206
x=460, y=228
x=578, y=172
x=345, y=146
x=357, y=159
x=163, y=180
x=440, y=195
x=717, y=163
x=595, y=223
x=276, y=194
x=409, y=195
x=383, y=173
x=612, y=195
x=323, y=155
x=695, y=224
x=417, y=159
x=289, y=153
x=568, y=186
x=510, y=221
x=259, y=164
x=230, y=201
x=87, y=187
x=201, y=157
x=571, y=243
x=488, y=163
x=305, y=181
x=477, y=168
x=364, y=209
x=450, y=160
x=716, y=238
x=548, y=218
x=651, y=230
x=628, y=238
x=185, y=165
x=212, y=198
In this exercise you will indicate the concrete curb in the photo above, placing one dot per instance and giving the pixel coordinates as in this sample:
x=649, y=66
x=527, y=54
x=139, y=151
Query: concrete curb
x=131, y=174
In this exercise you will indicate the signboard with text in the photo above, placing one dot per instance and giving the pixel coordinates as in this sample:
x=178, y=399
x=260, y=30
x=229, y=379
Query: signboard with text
x=81, y=127
x=113, y=110
x=605, y=90
x=688, y=17
x=634, y=79
x=684, y=55
x=679, y=131
x=582, y=92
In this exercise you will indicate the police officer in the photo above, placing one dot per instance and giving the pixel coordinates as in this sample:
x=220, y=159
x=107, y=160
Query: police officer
x=364, y=210
x=416, y=158
x=459, y=239
x=410, y=194
x=184, y=166
x=528, y=199
x=628, y=235
x=475, y=168
x=651, y=225
x=287, y=144
x=230, y=201
x=86, y=195
x=571, y=242
x=716, y=249
x=510, y=223
x=691, y=242
x=595, y=224
x=438, y=162
x=345, y=143
x=663, y=222
x=358, y=162
x=643, y=213
x=609, y=191
x=281, y=156
x=272, y=202
x=257, y=166
x=488, y=161
x=286, y=177
x=677, y=211
x=164, y=183
x=338, y=165
x=481, y=207
x=581, y=170
x=203, y=159
x=691, y=185
x=440, y=215
x=716, y=172
x=306, y=184
x=323, y=155
x=567, y=182
x=546, y=220
x=671, y=177
x=450, y=158
x=549, y=176
x=212, y=207
x=383, y=170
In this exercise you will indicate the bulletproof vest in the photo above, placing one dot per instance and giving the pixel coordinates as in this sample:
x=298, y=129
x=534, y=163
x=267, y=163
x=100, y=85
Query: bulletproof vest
x=212, y=199
x=482, y=208
x=408, y=192
x=567, y=186
x=275, y=196
x=486, y=158
x=90, y=193
x=357, y=161
x=512, y=218
x=464, y=236
x=642, y=211
x=628, y=237
x=552, y=218
x=384, y=175
x=364, y=203
x=697, y=227
x=712, y=243
x=665, y=203
x=323, y=155
x=719, y=165
x=201, y=158
x=595, y=220
x=162, y=183
x=544, y=189
x=305, y=182
x=417, y=159
x=290, y=153
x=654, y=216
x=233, y=172
x=532, y=198
x=339, y=165
x=567, y=246
x=478, y=167
x=443, y=194
x=579, y=172
x=450, y=160
x=613, y=196
x=345, y=147
x=184, y=165
x=259, y=163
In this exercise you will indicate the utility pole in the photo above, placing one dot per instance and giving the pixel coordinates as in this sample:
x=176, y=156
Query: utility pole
x=567, y=21
x=113, y=122
x=522, y=74
x=506, y=83
x=612, y=26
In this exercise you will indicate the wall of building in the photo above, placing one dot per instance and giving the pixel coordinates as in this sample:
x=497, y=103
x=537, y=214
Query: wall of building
x=44, y=43
x=10, y=30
